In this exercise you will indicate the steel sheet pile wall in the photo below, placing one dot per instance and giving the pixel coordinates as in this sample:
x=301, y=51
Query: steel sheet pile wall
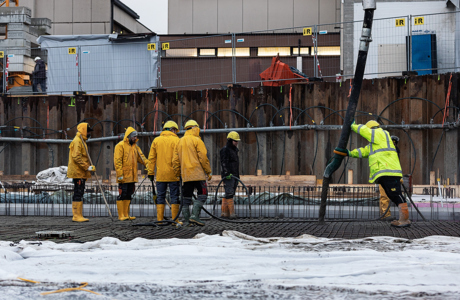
x=302, y=152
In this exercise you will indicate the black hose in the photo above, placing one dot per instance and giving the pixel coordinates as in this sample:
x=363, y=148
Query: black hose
x=352, y=104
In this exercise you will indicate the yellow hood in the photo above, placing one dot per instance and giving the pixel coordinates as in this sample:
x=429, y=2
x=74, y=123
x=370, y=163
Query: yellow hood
x=127, y=133
x=82, y=128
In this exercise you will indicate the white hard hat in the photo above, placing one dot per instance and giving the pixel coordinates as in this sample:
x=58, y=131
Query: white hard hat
x=37, y=58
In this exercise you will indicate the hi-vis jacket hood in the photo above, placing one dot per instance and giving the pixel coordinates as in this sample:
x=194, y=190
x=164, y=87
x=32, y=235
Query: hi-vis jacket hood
x=126, y=157
x=383, y=158
x=78, y=159
x=161, y=155
x=190, y=160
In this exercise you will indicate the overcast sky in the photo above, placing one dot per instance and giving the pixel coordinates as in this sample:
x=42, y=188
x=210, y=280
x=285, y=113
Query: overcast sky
x=153, y=13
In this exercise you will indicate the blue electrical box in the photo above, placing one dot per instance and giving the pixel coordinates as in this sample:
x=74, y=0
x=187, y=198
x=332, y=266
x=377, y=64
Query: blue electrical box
x=423, y=50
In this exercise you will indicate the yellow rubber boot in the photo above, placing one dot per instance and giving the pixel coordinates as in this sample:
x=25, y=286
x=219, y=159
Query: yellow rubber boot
x=121, y=210
x=175, y=212
x=231, y=209
x=77, y=208
x=160, y=212
x=403, y=217
x=224, y=213
x=126, y=210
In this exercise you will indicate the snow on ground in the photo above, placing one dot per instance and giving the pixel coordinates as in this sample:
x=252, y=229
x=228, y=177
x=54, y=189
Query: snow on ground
x=237, y=266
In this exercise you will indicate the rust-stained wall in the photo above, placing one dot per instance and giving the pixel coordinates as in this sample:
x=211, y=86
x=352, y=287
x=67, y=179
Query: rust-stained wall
x=273, y=152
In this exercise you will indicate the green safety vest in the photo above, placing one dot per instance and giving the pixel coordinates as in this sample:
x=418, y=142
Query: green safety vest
x=383, y=158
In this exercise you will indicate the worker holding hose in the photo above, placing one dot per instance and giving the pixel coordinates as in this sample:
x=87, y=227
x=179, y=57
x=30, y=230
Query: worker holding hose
x=192, y=164
x=126, y=157
x=79, y=169
x=230, y=170
x=384, y=165
x=161, y=157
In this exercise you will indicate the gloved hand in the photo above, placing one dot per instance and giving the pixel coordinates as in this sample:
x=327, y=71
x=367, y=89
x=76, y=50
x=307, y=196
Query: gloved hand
x=229, y=176
x=92, y=168
x=353, y=123
x=151, y=177
x=209, y=177
x=401, y=180
x=120, y=178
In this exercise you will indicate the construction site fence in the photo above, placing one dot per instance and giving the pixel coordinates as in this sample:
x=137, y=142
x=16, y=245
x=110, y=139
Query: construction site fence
x=425, y=44
x=282, y=202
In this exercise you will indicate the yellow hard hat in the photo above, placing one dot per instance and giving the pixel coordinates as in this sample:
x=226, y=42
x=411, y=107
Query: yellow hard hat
x=234, y=136
x=191, y=123
x=372, y=124
x=170, y=124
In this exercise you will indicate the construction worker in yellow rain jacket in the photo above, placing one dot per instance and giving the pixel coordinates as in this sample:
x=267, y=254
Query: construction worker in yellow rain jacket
x=384, y=165
x=161, y=157
x=79, y=169
x=126, y=157
x=191, y=163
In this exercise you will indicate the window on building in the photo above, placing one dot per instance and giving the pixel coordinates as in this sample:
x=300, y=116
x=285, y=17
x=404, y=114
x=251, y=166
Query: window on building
x=208, y=52
x=273, y=51
x=227, y=52
x=303, y=50
x=184, y=52
x=334, y=50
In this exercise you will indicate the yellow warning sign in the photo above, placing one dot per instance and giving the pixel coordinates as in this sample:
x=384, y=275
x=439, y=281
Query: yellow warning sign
x=307, y=31
x=152, y=46
x=419, y=20
x=165, y=46
x=1, y=54
x=72, y=50
x=400, y=22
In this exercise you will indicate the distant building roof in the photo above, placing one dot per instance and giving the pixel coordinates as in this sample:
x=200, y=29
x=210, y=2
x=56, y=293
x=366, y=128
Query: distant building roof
x=126, y=9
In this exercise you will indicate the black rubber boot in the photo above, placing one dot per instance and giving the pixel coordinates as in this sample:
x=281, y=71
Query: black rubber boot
x=186, y=212
x=196, y=210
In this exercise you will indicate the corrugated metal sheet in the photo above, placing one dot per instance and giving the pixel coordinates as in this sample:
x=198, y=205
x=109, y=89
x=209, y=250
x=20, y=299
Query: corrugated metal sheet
x=101, y=63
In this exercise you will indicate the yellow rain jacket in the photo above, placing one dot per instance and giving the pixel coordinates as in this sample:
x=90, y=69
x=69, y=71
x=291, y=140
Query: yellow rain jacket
x=126, y=157
x=161, y=156
x=190, y=160
x=78, y=159
x=383, y=158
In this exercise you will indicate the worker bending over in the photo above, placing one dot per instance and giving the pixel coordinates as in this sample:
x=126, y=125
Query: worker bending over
x=161, y=157
x=79, y=169
x=230, y=171
x=384, y=165
x=191, y=163
x=127, y=155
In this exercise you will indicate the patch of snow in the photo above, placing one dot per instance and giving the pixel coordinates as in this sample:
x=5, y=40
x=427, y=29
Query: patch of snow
x=268, y=267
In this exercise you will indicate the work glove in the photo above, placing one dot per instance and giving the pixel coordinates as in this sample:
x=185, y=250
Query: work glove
x=209, y=177
x=229, y=176
x=92, y=168
x=120, y=178
x=401, y=180
x=151, y=177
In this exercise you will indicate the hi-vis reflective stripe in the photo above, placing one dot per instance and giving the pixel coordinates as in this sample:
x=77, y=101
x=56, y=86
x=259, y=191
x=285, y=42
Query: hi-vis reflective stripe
x=359, y=128
x=360, y=154
x=383, y=149
x=389, y=148
x=388, y=138
x=385, y=171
